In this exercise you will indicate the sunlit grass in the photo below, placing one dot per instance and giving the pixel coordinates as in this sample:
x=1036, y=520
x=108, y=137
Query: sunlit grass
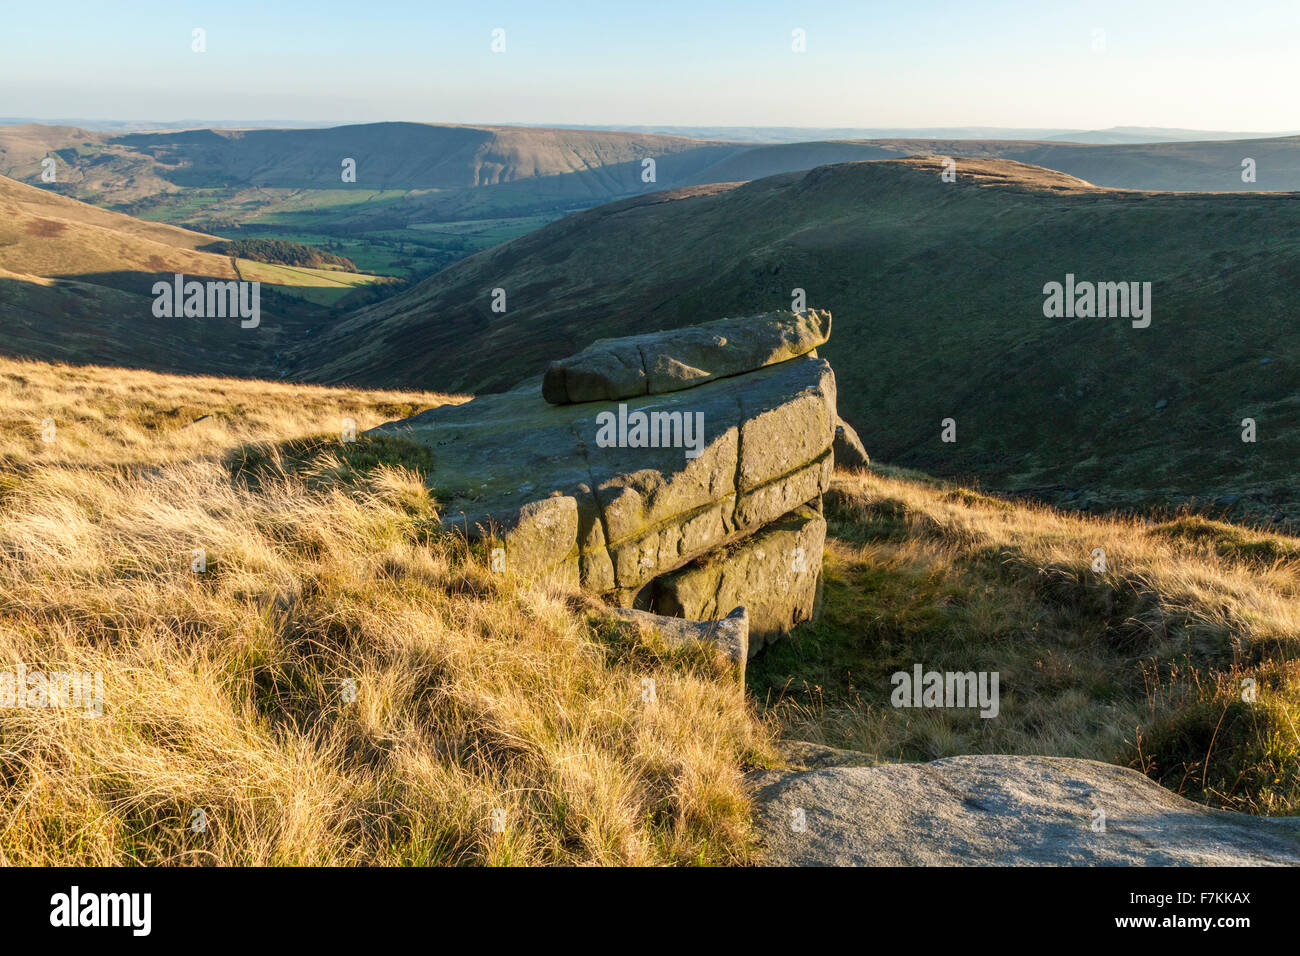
x=492, y=723
x=1141, y=664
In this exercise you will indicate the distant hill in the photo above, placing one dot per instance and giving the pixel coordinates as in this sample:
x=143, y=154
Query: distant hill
x=76, y=284
x=1180, y=167
x=805, y=134
x=288, y=184
x=937, y=291
x=388, y=155
x=1153, y=134
x=416, y=172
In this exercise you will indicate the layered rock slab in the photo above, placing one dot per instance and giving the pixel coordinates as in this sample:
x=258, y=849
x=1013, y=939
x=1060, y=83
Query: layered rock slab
x=576, y=490
x=668, y=361
x=775, y=573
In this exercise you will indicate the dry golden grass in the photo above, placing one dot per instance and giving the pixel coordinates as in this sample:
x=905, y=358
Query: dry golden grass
x=478, y=701
x=503, y=724
x=111, y=418
x=1141, y=664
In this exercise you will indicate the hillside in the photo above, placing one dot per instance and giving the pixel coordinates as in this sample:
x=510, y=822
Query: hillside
x=395, y=155
x=1141, y=664
x=487, y=184
x=929, y=282
x=89, y=239
x=76, y=284
x=479, y=698
x=389, y=156
x=427, y=195
x=1174, y=166
x=224, y=689
x=247, y=174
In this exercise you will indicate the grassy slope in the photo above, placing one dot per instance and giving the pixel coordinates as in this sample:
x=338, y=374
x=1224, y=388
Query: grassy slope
x=76, y=284
x=1139, y=665
x=930, y=283
x=90, y=237
x=47, y=235
x=223, y=689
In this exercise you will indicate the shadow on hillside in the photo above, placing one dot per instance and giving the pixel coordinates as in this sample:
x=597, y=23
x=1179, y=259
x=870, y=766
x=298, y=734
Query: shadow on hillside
x=108, y=319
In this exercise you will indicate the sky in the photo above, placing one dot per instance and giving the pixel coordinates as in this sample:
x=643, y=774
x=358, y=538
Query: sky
x=1038, y=63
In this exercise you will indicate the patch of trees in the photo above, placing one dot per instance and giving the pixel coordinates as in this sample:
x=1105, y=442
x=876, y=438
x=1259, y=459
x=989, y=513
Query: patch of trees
x=285, y=253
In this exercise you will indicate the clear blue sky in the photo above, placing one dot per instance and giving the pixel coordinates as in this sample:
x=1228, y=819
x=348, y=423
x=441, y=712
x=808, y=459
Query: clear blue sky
x=909, y=63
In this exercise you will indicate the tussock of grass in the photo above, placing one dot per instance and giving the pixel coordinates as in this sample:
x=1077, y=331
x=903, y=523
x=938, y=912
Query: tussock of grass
x=478, y=701
x=1141, y=664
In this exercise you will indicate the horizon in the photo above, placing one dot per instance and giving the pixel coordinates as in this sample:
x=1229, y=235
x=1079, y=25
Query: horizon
x=1182, y=66
x=750, y=135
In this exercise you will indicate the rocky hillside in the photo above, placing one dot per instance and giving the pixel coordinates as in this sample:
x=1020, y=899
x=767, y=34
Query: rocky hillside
x=479, y=693
x=929, y=282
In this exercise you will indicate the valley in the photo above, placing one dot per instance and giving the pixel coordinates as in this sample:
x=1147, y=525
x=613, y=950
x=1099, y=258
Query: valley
x=928, y=282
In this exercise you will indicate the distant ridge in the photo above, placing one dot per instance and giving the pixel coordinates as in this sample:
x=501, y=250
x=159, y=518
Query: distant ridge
x=803, y=134
x=736, y=134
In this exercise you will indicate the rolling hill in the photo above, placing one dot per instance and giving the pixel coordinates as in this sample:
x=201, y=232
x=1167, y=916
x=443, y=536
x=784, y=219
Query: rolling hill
x=391, y=158
x=427, y=195
x=938, y=294
x=583, y=165
x=76, y=284
x=1171, y=166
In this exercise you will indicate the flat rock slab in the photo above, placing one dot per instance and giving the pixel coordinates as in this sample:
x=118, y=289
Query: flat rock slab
x=659, y=362
x=1000, y=811
x=579, y=491
x=775, y=573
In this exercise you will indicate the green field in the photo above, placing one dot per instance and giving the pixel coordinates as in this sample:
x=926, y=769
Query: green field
x=325, y=218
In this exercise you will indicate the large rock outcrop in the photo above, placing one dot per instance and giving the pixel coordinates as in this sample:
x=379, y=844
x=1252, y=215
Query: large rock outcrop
x=725, y=435
x=1001, y=811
